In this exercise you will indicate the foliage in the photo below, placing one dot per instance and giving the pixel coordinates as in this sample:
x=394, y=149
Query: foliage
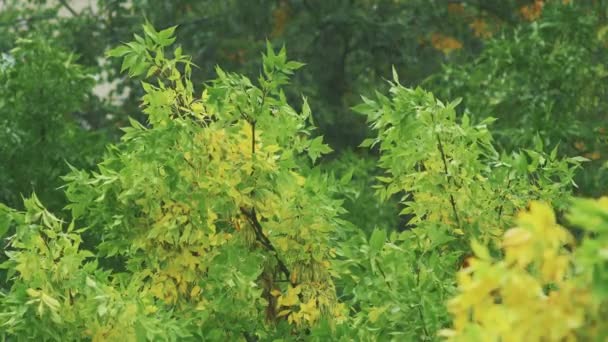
x=59, y=293
x=450, y=176
x=222, y=216
x=210, y=195
x=539, y=282
x=395, y=285
x=544, y=80
x=40, y=88
x=349, y=46
x=456, y=187
x=353, y=177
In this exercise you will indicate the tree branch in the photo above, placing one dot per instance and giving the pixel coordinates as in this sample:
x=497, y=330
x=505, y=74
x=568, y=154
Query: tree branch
x=263, y=239
x=384, y=276
x=65, y=4
x=252, y=141
x=445, y=169
x=502, y=202
x=249, y=338
x=420, y=312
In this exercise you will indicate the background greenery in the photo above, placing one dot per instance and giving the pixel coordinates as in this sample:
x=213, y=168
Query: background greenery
x=540, y=70
x=535, y=65
x=532, y=124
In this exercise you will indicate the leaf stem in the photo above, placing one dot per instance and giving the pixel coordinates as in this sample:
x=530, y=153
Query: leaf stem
x=447, y=175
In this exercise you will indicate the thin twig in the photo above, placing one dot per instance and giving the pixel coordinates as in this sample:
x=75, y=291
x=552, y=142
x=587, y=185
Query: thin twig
x=503, y=200
x=420, y=312
x=384, y=276
x=447, y=173
x=68, y=7
x=445, y=169
x=252, y=142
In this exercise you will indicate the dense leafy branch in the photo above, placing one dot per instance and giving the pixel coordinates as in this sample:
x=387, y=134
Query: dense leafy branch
x=263, y=239
x=447, y=175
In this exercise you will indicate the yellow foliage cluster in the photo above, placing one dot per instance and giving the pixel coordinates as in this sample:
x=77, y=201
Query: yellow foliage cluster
x=480, y=28
x=531, y=294
x=444, y=43
x=179, y=245
x=533, y=11
x=303, y=304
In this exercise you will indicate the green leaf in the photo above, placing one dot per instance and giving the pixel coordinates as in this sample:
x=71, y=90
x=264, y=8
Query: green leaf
x=293, y=65
x=118, y=51
x=317, y=148
x=376, y=240
x=150, y=32
x=578, y=159
x=167, y=33
x=347, y=177
x=480, y=251
x=178, y=52
x=395, y=75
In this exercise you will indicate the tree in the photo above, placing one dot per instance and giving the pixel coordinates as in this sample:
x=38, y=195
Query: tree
x=545, y=83
x=41, y=88
x=209, y=195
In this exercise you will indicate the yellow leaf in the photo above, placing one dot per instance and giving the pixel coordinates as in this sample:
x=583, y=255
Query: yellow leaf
x=375, y=313
x=150, y=309
x=280, y=16
x=129, y=313
x=157, y=290
x=291, y=298
x=272, y=148
x=310, y=311
x=197, y=107
x=33, y=293
x=299, y=179
x=480, y=250
x=294, y=276
x=447, y=333
x=50, y=302
x=195, y=291
x=283, y=244
x=309, y=307
x=516, y=237
x=283, y=313
x=456, y=8
x=188, y=260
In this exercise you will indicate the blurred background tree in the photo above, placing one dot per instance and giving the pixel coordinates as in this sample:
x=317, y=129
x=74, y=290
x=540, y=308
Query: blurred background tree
x=41, y=91
x=539, y=67
x=545, y=83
